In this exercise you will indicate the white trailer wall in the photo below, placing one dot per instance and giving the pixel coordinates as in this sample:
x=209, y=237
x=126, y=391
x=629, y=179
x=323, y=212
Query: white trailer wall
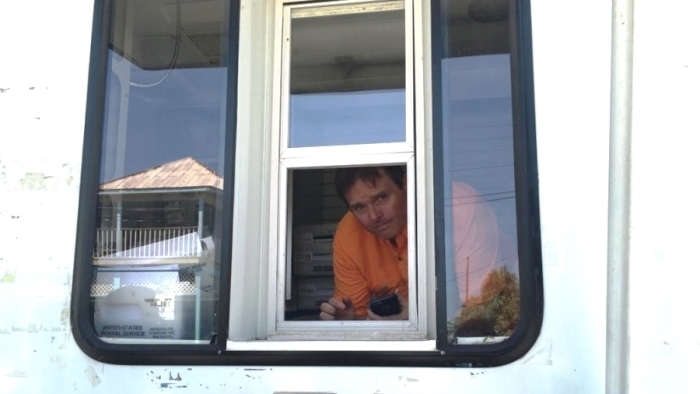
x=44, y=50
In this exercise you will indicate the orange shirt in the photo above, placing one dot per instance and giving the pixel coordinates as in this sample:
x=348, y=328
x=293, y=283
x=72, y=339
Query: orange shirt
x=365, y=264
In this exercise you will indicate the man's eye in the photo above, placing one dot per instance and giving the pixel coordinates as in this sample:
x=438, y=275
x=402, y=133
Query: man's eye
x=381, y=197
x=359, y=208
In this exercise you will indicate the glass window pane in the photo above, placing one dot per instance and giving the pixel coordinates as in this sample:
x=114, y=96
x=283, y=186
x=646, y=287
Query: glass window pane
x=347, y=75
x=480, y=227
x=156, y=270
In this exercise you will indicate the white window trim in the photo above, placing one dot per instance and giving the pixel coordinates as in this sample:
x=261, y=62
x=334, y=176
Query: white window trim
x=425, y=202
x=349, y=345
x=253, y=321
x=338, y=329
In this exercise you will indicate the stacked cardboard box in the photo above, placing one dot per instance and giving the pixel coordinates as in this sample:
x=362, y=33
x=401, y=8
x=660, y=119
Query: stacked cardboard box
x=312, y=264
x=313, y=292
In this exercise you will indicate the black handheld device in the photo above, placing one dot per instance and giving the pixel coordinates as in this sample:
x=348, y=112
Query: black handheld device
x=386, y=306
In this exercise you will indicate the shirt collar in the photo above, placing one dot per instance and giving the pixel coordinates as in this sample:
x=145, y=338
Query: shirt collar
x=401, y=237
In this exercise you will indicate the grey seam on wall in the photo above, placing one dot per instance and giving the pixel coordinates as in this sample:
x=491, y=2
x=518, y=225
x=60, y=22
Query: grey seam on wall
x=617, y=331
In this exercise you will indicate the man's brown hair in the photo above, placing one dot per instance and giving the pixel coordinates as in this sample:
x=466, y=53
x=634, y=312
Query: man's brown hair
x=346, y=177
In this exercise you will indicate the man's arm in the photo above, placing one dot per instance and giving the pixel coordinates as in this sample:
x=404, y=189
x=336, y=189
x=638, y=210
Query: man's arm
x=350, y=283
x=338, y=309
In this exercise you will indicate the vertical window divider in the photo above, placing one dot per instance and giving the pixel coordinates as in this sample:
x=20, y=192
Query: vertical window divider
x=250, y=241
x=423, y=204
x=409, y=24
x=276, y=262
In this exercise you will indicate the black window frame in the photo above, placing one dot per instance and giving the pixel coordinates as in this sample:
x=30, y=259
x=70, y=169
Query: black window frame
x=526, y=190
x=215, y=353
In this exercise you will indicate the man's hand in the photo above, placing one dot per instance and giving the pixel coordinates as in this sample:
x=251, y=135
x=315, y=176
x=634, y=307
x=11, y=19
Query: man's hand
x=403, y=315
x=336, y=309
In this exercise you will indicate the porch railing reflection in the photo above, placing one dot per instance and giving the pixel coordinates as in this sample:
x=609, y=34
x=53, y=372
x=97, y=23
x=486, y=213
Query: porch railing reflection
x=147, y=242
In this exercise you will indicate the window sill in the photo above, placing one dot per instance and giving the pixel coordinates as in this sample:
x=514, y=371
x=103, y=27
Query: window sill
x=332, y=345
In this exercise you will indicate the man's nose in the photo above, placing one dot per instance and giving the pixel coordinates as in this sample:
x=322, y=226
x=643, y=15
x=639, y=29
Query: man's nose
x=374, y=213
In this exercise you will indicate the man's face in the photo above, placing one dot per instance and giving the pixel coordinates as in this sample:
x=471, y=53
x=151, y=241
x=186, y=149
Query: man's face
x=379, y=204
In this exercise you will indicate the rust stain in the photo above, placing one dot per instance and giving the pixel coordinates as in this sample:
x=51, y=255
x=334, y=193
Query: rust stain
x=303, y=392
x=153, y=374
x=92, y=376
x=172, y=385
x=8, y=278
x=170, y=377
x=17, y=374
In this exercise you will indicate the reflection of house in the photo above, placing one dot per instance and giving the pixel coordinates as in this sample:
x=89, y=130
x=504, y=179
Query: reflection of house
x=162, y=212
x=155, y=236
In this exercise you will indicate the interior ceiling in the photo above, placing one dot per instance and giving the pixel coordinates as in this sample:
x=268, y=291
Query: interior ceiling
x=360, y=38
x=477, y=27
x=155, y=28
